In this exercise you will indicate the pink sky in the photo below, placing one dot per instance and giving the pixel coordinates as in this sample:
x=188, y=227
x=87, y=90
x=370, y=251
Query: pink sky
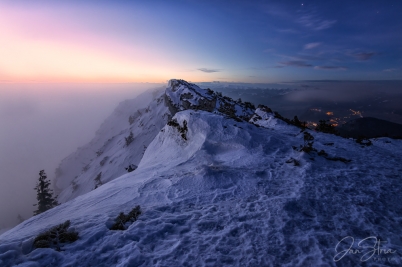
x=63, y=45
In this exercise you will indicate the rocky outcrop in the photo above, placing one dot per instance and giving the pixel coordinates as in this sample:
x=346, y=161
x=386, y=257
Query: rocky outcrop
x=181, y=95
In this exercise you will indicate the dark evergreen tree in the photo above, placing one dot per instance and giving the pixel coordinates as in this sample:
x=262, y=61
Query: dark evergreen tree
x=129, y=139
x=44, y=195
x=297, y=121
x=98, y=181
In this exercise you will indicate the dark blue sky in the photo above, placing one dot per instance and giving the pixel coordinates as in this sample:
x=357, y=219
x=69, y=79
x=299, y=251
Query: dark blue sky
x=250, y=41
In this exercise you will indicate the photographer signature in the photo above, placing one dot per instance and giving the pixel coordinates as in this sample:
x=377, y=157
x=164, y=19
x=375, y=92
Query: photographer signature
x=369, y=247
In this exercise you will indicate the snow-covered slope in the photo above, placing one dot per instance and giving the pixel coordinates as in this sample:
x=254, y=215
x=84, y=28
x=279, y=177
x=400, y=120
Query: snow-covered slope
x=107, y=156
x=216, y=191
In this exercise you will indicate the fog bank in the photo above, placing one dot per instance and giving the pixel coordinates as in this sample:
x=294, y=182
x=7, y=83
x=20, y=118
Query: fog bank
x=40, y=124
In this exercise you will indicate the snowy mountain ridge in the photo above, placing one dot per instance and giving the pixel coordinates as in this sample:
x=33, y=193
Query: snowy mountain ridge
x=181, y=95
x=107, y=156
x=216, y=190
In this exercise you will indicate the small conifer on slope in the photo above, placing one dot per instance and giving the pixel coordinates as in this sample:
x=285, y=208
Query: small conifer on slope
x=44, y=195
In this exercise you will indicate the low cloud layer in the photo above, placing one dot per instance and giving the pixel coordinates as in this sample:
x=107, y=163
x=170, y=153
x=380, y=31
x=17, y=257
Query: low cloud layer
x=364, y=56
x=330, y=68
x=390, y=70
x=208, y=70
x=296, y=63
x=40, y=125
x=343, y=91
x=311, y=45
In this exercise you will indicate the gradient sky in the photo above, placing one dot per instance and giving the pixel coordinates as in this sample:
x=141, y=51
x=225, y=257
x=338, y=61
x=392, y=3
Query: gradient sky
x=241, y=41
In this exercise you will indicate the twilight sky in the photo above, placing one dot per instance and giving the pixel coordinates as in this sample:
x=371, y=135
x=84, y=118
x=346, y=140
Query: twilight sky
x=241, y=41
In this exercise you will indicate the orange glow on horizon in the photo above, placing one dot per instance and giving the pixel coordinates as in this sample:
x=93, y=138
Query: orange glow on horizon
x=25, y=60
x=43, y=46
x=68, y=55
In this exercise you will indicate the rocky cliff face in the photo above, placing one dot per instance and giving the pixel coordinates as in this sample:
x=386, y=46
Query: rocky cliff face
x=181, y=95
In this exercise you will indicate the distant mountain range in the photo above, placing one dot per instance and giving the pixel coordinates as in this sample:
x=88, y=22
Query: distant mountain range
x=370, y=127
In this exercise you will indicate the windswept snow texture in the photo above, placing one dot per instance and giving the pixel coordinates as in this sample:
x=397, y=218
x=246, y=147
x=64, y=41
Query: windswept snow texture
x=107, y=156
x=226, y=196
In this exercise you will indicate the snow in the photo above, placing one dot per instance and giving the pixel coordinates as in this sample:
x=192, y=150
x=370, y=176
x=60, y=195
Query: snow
x=107, y=153
x=225, y=196
x=267, y=120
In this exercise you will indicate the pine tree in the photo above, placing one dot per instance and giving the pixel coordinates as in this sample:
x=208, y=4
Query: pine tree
x=44, y=195
x=98, y=181
x=129, y=139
